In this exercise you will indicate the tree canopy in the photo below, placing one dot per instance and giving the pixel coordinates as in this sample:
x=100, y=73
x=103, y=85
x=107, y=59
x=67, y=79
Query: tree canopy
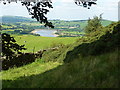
x=10, y=47
x=93, y=24
x=38, y=9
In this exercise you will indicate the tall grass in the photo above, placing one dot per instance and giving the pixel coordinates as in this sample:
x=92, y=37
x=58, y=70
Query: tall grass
x=83, y=72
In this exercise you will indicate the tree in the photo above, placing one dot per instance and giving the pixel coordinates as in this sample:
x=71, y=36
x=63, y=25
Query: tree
x=10, y=47
x=93, y=24
x=38, y=9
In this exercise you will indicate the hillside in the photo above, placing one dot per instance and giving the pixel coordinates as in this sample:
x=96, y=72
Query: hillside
x=90, y=62
x=15, y=19
x=57, y=23
x=88, y=72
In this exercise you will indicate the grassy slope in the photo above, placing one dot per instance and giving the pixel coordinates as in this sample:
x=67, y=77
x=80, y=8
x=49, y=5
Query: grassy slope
x=92, y=71
x=34, y=69
x=41, y=42
x=89, y=71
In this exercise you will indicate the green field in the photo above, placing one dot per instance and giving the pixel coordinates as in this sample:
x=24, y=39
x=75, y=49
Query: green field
x=39, y=42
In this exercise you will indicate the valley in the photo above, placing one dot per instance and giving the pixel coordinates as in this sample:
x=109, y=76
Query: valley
x=72, y=59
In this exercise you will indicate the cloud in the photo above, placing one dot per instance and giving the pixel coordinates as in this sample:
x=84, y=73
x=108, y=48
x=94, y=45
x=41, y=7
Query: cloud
x=67, y=1
x=67, y=9
x=63, y=1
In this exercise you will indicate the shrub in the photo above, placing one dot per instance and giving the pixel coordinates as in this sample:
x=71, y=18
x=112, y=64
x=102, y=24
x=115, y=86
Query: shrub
x=10, y=47
x=18, y=61
x=106, y=43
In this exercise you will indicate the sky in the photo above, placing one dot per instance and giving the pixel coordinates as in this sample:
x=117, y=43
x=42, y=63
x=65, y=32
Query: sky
x=68, y=10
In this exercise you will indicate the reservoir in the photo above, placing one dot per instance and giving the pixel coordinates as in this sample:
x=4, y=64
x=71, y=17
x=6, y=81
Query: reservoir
x=46, y=33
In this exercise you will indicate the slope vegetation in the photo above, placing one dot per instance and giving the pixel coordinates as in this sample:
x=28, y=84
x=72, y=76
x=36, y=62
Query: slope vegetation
x=91, y=62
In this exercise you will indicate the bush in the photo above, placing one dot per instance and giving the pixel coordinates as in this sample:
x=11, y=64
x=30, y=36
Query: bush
x=106, y=43
x=94, y=24
x=10, y=47
x=18, y=61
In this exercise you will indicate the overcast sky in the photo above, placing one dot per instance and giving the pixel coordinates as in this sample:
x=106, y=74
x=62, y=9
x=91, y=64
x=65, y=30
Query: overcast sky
x=68, y=10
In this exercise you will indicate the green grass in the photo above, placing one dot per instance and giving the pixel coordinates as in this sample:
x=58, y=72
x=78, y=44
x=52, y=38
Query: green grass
x=28, y=70
x=84, y=72
x=41, y=42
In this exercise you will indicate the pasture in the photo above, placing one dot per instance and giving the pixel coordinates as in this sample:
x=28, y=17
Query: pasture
x=36, y=43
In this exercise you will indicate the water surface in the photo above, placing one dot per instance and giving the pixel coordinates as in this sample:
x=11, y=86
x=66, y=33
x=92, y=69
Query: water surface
x=46, y=33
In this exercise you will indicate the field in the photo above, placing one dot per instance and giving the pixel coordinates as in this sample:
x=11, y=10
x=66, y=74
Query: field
x=35, y=43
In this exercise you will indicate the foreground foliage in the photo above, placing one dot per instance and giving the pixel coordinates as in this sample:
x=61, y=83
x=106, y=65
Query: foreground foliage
x=10, y=47
x=94, y=24
x=87, y=72
x=95, y=43
x=92, y=62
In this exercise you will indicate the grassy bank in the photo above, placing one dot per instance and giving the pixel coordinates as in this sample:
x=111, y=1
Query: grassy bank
x=100, y=71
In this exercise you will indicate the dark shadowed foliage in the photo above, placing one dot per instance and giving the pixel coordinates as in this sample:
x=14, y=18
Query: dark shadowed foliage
x=17, y=61
x=10, y=47
x=107, y=43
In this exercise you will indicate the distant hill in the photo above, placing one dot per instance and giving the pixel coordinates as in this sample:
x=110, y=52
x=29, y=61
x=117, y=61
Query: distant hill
x=104, y=22
x=78, y=20
x=14, y=19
